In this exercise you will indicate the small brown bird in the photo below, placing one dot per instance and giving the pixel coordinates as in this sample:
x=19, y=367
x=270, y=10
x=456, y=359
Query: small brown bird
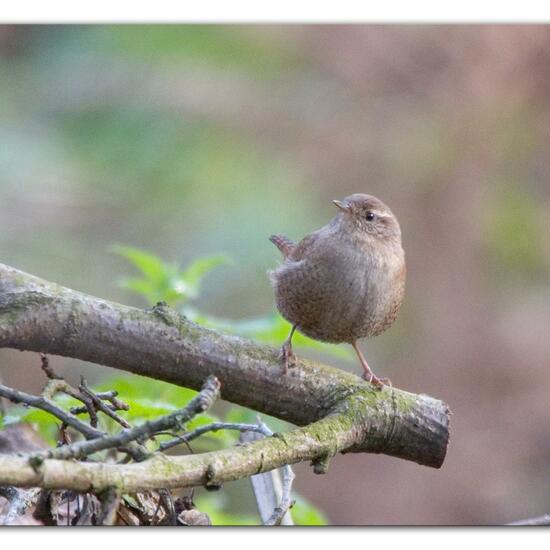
x=345, y=281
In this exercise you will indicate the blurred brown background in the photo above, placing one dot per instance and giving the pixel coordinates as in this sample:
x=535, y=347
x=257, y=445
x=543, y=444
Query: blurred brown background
x=192, y=140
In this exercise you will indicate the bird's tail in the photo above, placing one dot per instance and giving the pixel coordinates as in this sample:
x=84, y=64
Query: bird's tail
x=284, y=244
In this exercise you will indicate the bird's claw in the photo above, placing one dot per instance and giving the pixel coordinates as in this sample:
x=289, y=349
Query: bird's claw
x=287, y=356
x=378, y=382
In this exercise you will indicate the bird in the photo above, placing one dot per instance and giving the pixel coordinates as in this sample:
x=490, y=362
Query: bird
x=345, y=281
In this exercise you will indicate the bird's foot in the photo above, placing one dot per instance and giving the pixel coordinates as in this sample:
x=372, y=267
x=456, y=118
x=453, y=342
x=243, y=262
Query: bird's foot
x=287, y=356
x=378, y=382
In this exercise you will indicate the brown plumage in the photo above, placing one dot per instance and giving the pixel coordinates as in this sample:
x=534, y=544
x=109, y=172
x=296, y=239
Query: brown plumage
x=345, y=281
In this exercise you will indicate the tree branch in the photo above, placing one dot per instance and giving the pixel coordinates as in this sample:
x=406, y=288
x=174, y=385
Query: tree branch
x=45, y=404
x=326, y=437
x=80, y=449
x=273, y=495
x=342, y=412
x=214, y=427
x=110, y=501
x=286, y=499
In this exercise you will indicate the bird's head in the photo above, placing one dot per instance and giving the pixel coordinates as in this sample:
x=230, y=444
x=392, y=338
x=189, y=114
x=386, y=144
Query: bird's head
x=369, y=216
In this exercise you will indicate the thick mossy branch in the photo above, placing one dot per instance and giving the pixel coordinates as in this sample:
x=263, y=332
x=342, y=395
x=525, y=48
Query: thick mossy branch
x=37, y=315
x=322, y=438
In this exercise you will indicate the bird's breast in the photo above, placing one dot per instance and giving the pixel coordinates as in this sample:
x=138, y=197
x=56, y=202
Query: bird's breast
x=339, y=295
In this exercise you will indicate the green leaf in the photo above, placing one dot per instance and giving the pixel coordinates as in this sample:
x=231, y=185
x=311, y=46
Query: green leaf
x=149, y=399
x=165, y=282
x=193, y=275
x=139, y=286
x=305, y=513
x=241, y=415
x=45, y=423
x=271, y=330
x=215, y=506
x=148, y=393
x=146, y=409
x=149, y=264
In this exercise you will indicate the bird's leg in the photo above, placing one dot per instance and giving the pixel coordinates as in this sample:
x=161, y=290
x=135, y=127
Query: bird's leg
x=368, y=375
x=287, y=355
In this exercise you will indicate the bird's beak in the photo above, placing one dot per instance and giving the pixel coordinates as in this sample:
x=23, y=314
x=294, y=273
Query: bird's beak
x=344, y=206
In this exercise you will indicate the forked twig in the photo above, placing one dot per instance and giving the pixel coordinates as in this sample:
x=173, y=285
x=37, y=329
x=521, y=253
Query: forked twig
x=202, y=401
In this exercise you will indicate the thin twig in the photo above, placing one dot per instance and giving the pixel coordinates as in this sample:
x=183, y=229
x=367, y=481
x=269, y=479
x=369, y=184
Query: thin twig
x=110, y=502
x=45, y=402
x=214, y=427
x=285, y=502
x=100, y=405
x=157, y=510
x=114, y=404
x=176, y=441
x=58, y=385
x=45, y=365
x=286, y=498
x=204, y=400
x=111, y=396
x=92, y=401
x=261, y=428
x=87, y=508
x=40, y=402
x=165, y=497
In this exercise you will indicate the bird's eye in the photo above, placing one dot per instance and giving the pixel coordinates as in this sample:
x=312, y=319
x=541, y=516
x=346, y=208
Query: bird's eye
x=370, y=216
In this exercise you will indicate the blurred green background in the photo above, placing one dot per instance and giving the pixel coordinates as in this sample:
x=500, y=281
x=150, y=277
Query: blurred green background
x=195, y=141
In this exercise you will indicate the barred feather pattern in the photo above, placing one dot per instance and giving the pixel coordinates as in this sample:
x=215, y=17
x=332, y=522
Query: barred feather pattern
x=284, y=244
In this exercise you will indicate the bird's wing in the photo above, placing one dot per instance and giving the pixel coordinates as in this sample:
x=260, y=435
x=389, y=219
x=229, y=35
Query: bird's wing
x=304, y=246
x=284, y=244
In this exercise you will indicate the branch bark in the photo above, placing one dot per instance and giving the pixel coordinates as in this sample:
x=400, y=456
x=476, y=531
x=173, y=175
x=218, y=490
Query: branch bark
x=341, y=412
